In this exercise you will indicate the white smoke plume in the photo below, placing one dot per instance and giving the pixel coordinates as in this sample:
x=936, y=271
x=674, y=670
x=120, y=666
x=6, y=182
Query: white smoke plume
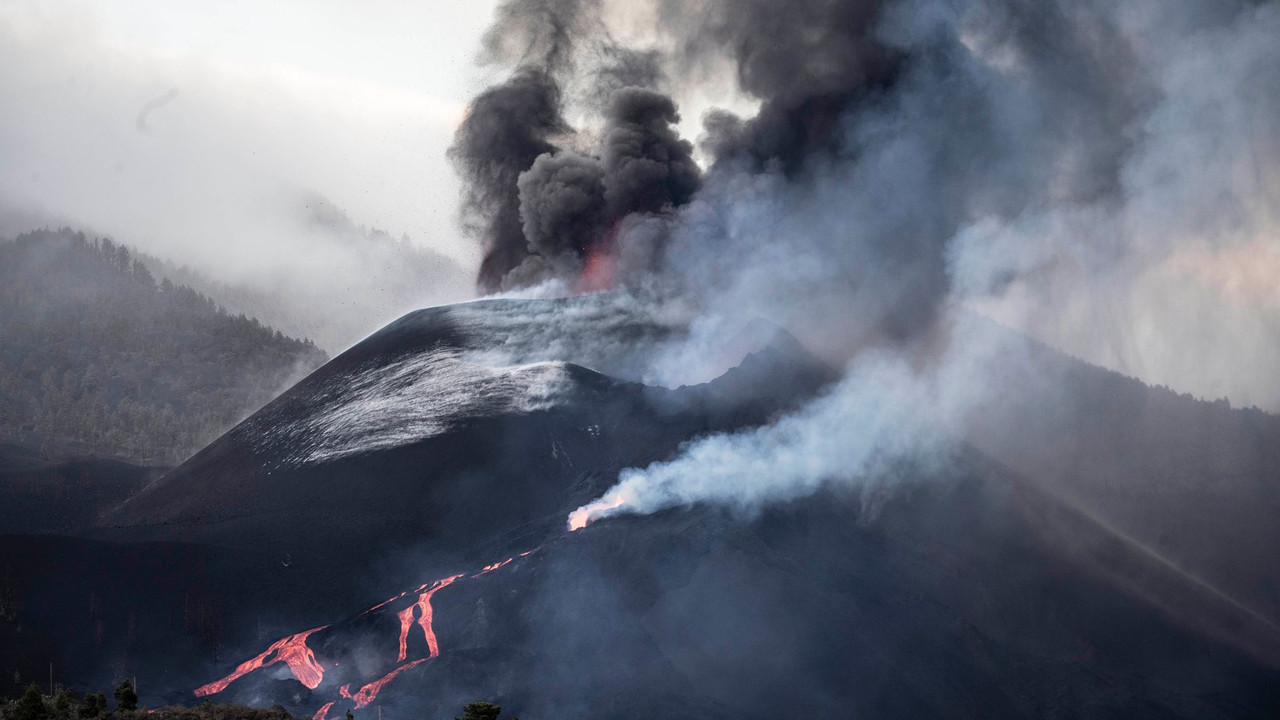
x=861, y=430
x=1104, y=178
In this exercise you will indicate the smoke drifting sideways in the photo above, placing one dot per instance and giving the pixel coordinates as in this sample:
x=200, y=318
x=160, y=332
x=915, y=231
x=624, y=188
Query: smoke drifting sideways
x=1103, y=177
x=871, y=428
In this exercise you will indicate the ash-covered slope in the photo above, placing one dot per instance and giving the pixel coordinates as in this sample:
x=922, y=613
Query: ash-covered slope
x=60, y=491
x=367, y=541
x=448, y=427
x=949, y=600
x=1196, y=483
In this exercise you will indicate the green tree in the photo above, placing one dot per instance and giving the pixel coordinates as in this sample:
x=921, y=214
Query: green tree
x=126, y=698
x=480, y=711
x=31, y=706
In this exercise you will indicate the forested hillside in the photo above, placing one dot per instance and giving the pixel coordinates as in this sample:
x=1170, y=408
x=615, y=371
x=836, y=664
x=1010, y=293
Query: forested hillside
x=95, y=351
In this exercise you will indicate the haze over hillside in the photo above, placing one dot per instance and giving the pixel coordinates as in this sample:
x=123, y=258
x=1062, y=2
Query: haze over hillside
x=95, y=351
x=349, y=281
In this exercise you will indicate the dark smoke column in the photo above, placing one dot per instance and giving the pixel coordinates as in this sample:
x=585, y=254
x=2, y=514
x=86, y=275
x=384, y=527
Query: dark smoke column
x=506, y=129
x=539, y=209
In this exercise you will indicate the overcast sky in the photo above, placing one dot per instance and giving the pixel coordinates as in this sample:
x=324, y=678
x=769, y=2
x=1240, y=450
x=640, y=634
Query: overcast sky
x=199, y=131
x=161, y=120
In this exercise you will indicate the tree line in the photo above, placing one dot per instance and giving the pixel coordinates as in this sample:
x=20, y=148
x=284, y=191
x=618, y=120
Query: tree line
x=95, y=351
x=63, y=705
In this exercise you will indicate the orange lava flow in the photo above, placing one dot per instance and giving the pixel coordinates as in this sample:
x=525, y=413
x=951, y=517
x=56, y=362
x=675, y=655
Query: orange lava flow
x=385, y=602
x=292, y=650
x=495, y=566
x=323, y=712
x=406, y=619
x=424, y=619
x=370, y=691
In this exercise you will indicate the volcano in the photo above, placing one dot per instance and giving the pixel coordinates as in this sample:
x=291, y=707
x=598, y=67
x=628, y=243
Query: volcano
x=390, y=535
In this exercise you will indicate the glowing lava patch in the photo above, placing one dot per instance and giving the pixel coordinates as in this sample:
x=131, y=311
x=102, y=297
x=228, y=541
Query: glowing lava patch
x=591, y=512
x=598, y=271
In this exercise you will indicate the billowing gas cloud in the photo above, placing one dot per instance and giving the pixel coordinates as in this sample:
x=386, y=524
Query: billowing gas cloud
x=1103, y=176
x=862, y=430
x=543, y=198
x=506, y=130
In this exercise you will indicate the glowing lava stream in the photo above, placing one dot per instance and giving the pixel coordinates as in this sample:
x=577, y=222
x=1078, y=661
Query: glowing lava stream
x=370, y=691
x=384, y=603
x=292, y=650
x=302, y=662
x=424, y=618
x=406, y=619
x=495, y=566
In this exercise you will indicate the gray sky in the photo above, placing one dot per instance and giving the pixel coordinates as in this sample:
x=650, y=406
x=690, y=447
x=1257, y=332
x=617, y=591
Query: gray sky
x=356, y=101
x=199, y=131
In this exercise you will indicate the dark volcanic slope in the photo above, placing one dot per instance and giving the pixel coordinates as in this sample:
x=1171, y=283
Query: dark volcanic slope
x=450, y=427
x=945, y=603
x=1194, y=482
x=458, y=438
x=44, y=494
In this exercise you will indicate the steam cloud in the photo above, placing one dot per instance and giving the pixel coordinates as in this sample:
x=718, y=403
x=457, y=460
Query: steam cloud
x=1100, y=175
x=862, y=429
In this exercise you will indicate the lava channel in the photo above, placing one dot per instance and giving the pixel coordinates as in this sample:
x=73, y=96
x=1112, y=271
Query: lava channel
x=424, y=619
x=495, y=566
x=292, y=650
x=423, y=605
x=370, y=691
x=323, y=712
